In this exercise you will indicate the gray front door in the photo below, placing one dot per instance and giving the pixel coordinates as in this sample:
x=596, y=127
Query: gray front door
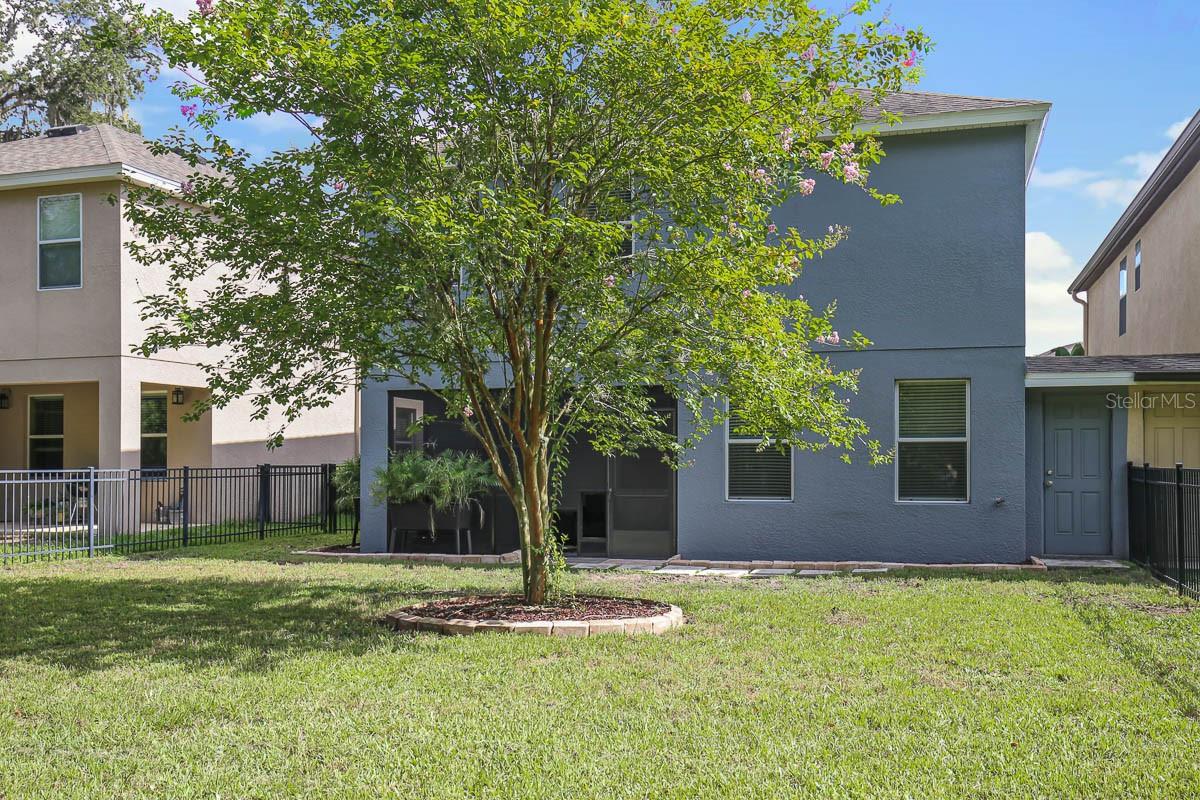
x=1076, y=475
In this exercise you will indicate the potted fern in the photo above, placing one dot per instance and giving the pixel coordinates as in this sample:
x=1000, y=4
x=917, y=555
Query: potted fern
x=446, y=489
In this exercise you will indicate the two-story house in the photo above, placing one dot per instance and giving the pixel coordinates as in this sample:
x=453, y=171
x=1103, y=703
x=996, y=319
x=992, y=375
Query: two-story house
x=1135, y=396
x=72, y=392
x=937, y=283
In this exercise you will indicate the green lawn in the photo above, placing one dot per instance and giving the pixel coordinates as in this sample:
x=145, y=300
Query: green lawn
x=239, y=671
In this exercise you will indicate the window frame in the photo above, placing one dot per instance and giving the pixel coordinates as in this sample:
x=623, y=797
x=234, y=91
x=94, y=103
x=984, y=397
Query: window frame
x=898, y=439
x=1137, y=265
x=142, y=435
x=30, y=435
x=415, y=405
x=1123, y=296
x=729, y=439
x=37, y=210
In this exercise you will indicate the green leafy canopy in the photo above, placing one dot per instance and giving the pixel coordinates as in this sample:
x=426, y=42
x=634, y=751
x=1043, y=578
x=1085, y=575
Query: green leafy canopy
x=458, y=213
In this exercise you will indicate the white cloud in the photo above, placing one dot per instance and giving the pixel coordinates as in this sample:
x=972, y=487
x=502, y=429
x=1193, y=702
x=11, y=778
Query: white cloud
x=276, y=122
x=1052, y=318
x=1177, y=128
x=178, y=8
x=1061, y=178
x=1144, y=162
x=1114, y=191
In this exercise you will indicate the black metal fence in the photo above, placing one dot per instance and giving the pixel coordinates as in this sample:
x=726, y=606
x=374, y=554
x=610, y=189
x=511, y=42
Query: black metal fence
x=87, y=511
x=1164, y=523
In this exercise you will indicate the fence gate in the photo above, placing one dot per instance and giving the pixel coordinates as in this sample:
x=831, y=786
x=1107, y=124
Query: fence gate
x=73, y=512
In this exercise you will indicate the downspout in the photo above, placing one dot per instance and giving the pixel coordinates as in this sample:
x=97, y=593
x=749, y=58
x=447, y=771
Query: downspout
x=1075, y=297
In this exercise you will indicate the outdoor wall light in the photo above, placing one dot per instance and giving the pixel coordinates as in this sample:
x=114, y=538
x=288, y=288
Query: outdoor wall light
x=177, y=396
x=5, y=399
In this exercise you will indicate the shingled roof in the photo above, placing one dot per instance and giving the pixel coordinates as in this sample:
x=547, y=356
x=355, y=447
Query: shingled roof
x=914, y=104
x=91, y=146
x=1139, y=365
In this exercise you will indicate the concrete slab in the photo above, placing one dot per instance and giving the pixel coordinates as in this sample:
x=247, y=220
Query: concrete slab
x=1083, y=563
x=679, y=570
x=725, y=573
x=814, y=573
x=868, y=570
x=770, y=572
x=592, y=567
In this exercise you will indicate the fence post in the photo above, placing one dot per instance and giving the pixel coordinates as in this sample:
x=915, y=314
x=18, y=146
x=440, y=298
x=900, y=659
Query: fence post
x=185, y=503
x=264, y=498
x=1179, y=521
x=91, y=511
x=1150, y=537
x=333, y=498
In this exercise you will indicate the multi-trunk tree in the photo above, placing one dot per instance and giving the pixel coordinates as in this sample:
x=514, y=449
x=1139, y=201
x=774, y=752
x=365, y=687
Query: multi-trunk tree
x=535, y=210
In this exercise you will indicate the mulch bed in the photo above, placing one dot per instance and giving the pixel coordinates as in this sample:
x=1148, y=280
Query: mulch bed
x=512, y=608
x=338, y=548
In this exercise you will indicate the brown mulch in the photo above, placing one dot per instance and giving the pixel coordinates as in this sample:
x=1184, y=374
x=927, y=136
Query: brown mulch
x=337, y=548
x=512, y=608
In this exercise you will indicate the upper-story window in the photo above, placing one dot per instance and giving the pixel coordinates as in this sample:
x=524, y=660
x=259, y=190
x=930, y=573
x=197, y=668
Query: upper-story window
x=60, y=242
x=1137, y=265
x=1123, y=286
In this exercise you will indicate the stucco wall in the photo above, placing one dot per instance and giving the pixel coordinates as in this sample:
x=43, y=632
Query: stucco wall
x=81, y=435
x=938, y=284
x=1164, y=315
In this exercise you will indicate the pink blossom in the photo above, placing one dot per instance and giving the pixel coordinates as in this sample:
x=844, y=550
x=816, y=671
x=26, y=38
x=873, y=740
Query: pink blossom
x=746, y=292
x=674, y=29
x=725, y=165
x=786, y=139
x=467, y=411
x=188, y=110
x=833, y=338
x=610, y=281
x=821, y=339
x=771, y=228
x=746, y=96
x=912, y=58
x=205, y=7
x=827, y=159
x=810, y=53
x=339, y=185
x=807, y=185
x=851, y=172
x=186, y=186
x=760, y=176
x=847, y=148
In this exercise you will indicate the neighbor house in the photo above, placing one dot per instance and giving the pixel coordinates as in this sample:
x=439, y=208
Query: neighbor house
x=937, y=283
x=72, y=391
x=1135, y=396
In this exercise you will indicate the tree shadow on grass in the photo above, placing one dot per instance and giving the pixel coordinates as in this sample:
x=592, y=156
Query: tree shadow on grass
x=91, y=625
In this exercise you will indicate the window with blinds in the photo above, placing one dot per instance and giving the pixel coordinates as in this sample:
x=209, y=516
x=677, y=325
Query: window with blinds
x=755, y=471
x=933, y=441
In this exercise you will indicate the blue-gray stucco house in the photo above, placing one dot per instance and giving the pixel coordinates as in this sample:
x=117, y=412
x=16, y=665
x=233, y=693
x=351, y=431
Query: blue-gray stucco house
x=938, y=284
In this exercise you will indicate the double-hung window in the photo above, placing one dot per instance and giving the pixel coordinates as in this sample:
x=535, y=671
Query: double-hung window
x=755, y=471
x=1123, y=290
x=933, y=448
x=404, y=426
x=46, y=432
x=154, y=430
x=60, y=241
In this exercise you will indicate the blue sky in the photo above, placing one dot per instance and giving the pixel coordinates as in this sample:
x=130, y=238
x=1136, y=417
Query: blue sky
x=1122, y=75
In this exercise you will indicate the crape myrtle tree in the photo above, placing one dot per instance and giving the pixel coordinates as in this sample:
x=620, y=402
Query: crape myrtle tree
x=460, y=211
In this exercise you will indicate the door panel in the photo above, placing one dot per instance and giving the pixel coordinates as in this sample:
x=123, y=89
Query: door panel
x=1077, y=475
x=643, y=504
x=1172, y=435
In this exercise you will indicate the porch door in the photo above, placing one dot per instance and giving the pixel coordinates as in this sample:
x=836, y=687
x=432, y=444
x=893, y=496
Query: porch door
x=1076, y=476
x=642, y=494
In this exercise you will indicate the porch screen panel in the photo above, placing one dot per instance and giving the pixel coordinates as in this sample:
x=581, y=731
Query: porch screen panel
x=932, y=460
x=46, y=432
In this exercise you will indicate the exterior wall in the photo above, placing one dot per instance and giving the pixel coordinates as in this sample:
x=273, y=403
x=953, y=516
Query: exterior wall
x=65, y=338
x=60, y=323
x=81, y=430
x=938, y=284
x=1164, y=424
x=1119, y=445
x=1162, y=315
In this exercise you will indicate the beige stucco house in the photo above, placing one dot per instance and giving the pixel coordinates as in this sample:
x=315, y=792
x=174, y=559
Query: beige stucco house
x=1141, y=296
x=72, y=393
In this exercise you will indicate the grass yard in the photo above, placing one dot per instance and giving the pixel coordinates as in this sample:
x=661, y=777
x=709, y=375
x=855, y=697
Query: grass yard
x=240, y=671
